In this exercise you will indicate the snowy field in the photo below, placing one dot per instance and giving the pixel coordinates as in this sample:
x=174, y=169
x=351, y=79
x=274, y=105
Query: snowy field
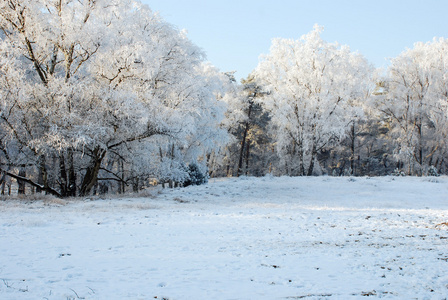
x=265, y=238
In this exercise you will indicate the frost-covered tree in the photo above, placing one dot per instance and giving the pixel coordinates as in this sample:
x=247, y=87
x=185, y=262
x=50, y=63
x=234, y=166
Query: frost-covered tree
x=314, y=86
x=248, y=152
x=90, y=87
x=415, y=105
x=223, y=160
x=252, y=139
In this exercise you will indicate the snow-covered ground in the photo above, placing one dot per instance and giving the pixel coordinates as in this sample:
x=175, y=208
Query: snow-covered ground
x=264, y=238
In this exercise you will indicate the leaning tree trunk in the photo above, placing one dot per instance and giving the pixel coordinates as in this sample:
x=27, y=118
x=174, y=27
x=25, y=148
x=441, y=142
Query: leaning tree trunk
x=91, y=176
x=243, y=145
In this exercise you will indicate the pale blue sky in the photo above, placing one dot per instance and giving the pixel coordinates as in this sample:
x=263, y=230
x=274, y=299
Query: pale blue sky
x=235, y=33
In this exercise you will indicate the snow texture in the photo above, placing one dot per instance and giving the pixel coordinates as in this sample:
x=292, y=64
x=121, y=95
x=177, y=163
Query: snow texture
x=246, y=238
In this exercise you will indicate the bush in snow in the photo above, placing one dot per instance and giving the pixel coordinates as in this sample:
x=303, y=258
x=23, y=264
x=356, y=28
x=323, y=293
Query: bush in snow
x=196, y=175
x=432, y=171
x=398, y=172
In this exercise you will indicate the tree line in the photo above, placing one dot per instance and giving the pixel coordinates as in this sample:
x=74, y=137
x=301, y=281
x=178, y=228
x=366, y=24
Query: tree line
x=105, y=96
x=315, y=108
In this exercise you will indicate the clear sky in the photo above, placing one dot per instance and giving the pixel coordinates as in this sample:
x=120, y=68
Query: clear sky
x=234, y=33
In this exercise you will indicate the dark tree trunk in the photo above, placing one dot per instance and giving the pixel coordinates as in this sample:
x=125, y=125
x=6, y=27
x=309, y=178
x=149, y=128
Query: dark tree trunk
x=91, y=176
x=352, y=158
x=243, y=145
x=3, y=183
x=243, y=141
x=21, y=183
x=121, y=185
x=420, y=147
x=67, y=175
x=311, y=166
x=63, y=176
x=42, y=174
x=71, y=189
x=247, y=156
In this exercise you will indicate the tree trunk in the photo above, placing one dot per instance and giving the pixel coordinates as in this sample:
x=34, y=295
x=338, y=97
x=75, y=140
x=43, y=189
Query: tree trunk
x=21, y=183
x=122, y=187
x=71, y=189
x=292, y=171
x=420, y=147
x=352, y=158
x=67, y=175
x=243, y=141
x=62, y=176
x=3, y=186
x=3, y=183
x=311, y=166
x=42, y=175
x=91, y=176
x=247, y=156
x=243, y=145
x=301, y=160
